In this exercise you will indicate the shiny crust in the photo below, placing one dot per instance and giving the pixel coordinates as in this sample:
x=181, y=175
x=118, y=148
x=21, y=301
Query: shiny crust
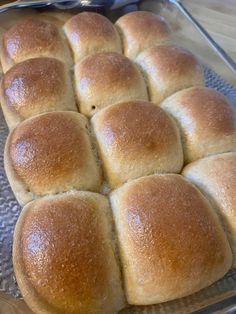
x=2, y=31
x=32, y=38
x=170, y=239
x=216, y=178
x=135, y=139
x=89, y=33
x=206, y=119
x=77, y=272
x=141, y=30
x=168, y=69
x=35, y=86
x=107, y=78
x=50, y=153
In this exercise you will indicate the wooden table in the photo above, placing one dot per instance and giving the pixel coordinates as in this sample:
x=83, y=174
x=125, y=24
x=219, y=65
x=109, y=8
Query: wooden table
x=219, y=19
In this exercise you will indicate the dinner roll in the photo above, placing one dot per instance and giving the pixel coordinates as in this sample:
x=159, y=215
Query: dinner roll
x=206, y=119
x=35, y=86
x=64, y=257
x=134, y=139
x=50, y=153
x=90, y=32
x=168, y=69
x=171, y=242
x=216, y=177
x=32, y=38
x=2, y=31
x=107, y=78
x=141, y=30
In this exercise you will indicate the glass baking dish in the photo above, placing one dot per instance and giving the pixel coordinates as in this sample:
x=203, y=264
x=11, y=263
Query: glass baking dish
x=218, y=298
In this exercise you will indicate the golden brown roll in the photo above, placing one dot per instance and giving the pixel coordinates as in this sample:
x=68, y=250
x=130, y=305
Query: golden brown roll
x=32, y=38
x=89, y=33
x=134, y=139
x=215, y=176
x=107, y=78
x=168, y=69
x=50, y=153
x=2, y=31
x=170, y=239
x=35, y=86
x=206, y=119
x=64, y=258
x=141, y=30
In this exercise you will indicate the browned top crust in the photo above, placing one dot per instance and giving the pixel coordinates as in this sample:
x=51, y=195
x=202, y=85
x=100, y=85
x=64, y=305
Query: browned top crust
x=106, y=78
x=90, y=32
x=141, y=30
x=168, y=69
x=35, y=85
x=207, y=121
x=63, y=255
x=52, y=153
x=33, y=38
x=135, y=129
x=171, y=241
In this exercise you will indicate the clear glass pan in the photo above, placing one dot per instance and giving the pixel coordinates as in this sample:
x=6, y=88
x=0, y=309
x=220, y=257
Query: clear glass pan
x=220, y=297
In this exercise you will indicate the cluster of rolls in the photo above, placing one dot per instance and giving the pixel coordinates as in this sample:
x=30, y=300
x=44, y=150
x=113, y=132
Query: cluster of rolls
x=108, y=220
